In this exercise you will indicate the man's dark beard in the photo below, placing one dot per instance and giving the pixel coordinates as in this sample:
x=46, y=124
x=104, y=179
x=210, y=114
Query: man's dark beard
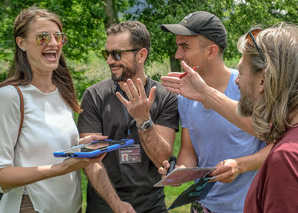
x=245, y=106
x=127, y=73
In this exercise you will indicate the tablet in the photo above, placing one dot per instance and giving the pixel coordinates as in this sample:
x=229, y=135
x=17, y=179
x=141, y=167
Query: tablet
x=93, y=149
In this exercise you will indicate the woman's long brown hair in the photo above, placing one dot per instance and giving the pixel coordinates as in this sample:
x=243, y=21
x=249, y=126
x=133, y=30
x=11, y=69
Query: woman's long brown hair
x=20, y=72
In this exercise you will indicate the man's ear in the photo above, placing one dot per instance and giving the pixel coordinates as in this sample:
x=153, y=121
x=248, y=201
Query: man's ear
x=21, y=43
x=212, y=51
x=143, y=53
x=261, y=82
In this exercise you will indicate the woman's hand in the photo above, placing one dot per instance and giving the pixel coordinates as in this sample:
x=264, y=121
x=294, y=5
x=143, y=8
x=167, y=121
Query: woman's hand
x=73, y=164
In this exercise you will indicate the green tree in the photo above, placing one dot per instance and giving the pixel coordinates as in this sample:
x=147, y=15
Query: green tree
x=84, y=22
x=238, y=17
x=246, y=14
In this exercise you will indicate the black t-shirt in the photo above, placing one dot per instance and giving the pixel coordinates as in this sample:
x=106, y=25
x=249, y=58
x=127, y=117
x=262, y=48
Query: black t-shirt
x=104, y=113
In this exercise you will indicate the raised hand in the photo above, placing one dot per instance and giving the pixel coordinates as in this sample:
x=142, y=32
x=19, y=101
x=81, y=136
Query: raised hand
x=191, y=86
x=138, y=105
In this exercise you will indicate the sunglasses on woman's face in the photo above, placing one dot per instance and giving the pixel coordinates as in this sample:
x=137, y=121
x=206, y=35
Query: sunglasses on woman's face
x=44, y=38
x=116, y=54
x=251, y=38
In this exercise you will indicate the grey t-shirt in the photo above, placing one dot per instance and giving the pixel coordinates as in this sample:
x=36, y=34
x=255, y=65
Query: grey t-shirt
x=104, y=113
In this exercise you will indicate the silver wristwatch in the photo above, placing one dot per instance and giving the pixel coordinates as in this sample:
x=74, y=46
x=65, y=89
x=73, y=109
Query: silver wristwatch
x=146, y=125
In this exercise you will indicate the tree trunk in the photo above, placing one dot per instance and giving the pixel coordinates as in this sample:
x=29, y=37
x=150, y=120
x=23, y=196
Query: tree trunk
x=112, y=16
x=175, y=64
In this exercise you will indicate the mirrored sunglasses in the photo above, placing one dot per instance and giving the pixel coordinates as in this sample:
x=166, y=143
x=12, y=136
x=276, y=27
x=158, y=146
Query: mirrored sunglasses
x=251, y=38
x=116, y=54
x=44, y=38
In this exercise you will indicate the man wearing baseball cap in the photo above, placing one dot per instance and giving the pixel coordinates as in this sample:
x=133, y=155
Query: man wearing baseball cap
x=207, y=138
x=200, y=23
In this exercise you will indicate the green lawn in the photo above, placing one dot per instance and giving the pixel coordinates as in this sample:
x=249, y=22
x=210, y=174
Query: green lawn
x=170, y=192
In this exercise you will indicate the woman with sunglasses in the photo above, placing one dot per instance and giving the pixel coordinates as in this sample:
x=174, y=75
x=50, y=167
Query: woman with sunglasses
x=31, y=178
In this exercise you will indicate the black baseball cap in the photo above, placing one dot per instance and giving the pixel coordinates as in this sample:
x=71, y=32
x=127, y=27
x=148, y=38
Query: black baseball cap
x=200, y=23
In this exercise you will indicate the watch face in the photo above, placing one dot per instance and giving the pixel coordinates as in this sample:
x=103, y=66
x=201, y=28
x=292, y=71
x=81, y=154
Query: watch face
x=147, y=125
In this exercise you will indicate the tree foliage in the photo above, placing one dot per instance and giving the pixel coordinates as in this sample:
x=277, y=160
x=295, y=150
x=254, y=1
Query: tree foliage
x=238, y=17
x=85, y=21
x=82, y=23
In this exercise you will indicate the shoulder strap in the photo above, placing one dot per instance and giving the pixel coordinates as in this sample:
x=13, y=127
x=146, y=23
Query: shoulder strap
x=22, y=108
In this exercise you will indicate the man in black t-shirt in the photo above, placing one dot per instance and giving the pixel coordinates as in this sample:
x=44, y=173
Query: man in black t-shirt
x=129, y=105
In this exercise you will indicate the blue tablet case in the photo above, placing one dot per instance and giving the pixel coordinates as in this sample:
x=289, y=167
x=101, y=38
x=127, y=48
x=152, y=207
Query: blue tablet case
x=91, y=150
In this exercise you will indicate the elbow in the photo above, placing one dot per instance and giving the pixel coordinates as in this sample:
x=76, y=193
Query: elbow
x=4, y=187
x=158, y=164
x=165, y=156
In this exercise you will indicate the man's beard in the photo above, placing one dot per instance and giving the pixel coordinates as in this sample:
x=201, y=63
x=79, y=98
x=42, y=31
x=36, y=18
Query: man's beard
x=245, y=106
x=128, y=72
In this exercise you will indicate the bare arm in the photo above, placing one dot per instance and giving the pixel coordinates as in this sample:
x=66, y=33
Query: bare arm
x=192, y=86
x=254, y=161
x=155, y=145
x=187, y=155
x=227, y=108
x=98, y=177
x=229, y=169
x=12, y=177
x=158, y=140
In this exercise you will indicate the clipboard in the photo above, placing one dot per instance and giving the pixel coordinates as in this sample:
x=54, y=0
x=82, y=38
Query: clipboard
x=183, y=175
x=195, y=192
x=93, y=149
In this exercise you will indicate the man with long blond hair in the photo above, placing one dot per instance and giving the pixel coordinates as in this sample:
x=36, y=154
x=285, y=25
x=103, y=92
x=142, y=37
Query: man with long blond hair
x=268, y=83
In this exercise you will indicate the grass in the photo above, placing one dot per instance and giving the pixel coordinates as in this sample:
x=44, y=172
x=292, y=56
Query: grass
x=170, y=192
